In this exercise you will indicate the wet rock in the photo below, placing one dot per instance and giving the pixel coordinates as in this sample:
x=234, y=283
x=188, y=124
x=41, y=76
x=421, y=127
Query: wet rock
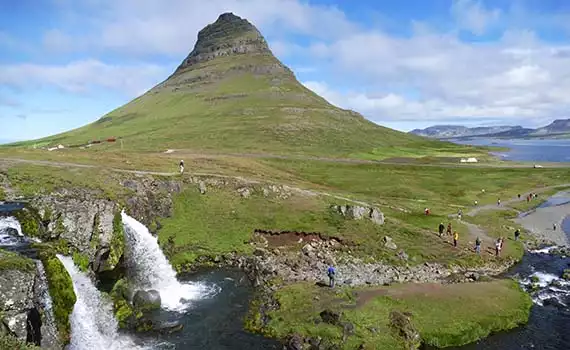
x=16, y=300
x=100, y=260
x=294, y=342
x=145, y=300
x=330, y=317
x=553, y=302
x=566, y=274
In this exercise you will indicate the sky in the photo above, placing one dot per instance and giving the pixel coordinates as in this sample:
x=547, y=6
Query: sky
x=404, y=64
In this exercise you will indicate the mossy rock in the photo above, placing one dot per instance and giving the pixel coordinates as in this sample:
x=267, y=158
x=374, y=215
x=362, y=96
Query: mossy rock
x=10, y=342
x=117, y=246
x=534, y=279
x=30, y=221
x=81, y=261
x=62, y=294
x=13, y=261
x=124, y=311
x=566, y=275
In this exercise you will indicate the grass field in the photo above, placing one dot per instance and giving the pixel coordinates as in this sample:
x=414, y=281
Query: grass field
x=444, y=315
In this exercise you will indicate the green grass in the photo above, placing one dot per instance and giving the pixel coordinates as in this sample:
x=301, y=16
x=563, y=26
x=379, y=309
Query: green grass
x=62, y=294
x=9, y=342
x=245, y=111
x=500, y=223
x=13, y=261
x=445, y=315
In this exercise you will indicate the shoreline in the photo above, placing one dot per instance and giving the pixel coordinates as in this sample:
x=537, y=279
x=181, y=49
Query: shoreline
x=539, y=223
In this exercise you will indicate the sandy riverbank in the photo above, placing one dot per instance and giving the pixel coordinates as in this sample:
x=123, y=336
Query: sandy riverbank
x=540, y=223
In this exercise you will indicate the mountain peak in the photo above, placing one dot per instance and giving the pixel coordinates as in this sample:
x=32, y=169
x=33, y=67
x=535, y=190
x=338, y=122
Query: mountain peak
x=228, y=35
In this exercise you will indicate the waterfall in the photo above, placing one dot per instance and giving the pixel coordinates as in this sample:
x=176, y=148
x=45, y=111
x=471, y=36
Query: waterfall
x=9, y=225
x=93, y=326
x=148, y=268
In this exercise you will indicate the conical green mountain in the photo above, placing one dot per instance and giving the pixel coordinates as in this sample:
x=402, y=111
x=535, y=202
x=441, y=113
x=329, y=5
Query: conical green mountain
x=231, y=94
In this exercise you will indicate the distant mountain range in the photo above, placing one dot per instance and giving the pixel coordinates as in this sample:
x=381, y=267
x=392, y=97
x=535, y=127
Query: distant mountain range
x=558, y=128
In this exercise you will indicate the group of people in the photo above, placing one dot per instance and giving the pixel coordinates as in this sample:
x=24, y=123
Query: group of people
x=449, y=231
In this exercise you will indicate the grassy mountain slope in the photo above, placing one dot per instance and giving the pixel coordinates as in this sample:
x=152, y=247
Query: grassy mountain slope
x=232, y=95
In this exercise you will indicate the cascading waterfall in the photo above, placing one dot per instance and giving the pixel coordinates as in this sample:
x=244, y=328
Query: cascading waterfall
x=10, y=231
x=93, y=326
x=148, y=268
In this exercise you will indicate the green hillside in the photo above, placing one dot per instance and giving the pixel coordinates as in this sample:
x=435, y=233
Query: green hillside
x=232, y=95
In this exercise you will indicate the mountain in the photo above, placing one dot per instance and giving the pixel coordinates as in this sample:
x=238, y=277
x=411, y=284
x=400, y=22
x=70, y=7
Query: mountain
x=556, y=128
x=231, y=94
x=559, y=126
x=452, y=131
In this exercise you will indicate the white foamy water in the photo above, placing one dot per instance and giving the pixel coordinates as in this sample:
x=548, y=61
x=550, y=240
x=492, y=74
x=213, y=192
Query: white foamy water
x=545, y=250
x=148, y=268
x=10, y=224
x=93, y=326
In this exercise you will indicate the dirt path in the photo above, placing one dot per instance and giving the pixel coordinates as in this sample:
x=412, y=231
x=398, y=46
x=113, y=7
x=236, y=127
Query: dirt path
x=505, y=204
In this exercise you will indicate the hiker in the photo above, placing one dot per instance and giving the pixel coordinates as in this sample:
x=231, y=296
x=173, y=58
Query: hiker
x=519, y=196
x=499, y=202
x=331, y=272
x=441, y=228
x=449, y=229
x=476, y=202
x=528, y=198
x=455, y=238
x=426, y=211
x=554, y=227
x=181, y=166
x=517, y=234
x=478, y=246
x=498, y=247
x=460, y=214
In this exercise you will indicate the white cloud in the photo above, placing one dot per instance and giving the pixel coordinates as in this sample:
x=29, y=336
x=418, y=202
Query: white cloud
x=170, y=27
x=83, y=76
x=473, y=16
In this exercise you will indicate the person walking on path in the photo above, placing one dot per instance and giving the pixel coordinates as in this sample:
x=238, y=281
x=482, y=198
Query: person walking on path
x=181, y=165
x=554, y=227
x=517, y=234
x=476, y=202
x=449, y=229
x=460, y=214
x=441, y=228
x=519, y=196
x=455, y=238
x=478, y=246
x=331, y=273
x=499, y=202
x=498, y=247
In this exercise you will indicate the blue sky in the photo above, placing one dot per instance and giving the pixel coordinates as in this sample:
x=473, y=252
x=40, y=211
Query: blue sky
x=403, y=64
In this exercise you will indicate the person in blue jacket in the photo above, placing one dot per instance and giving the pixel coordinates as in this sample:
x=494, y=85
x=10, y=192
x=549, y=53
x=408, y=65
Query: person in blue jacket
x=331, y=272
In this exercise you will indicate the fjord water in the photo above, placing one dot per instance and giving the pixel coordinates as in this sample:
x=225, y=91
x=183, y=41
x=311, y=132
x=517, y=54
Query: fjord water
x=93, y=325
x=527, y=150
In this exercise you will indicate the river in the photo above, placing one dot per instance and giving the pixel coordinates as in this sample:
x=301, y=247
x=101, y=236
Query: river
x=532, y=150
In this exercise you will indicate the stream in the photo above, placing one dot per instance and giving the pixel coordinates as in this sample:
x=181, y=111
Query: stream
x=211, y=304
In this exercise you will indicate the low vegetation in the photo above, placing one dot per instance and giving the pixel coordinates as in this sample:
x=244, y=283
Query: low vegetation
x=62, y=294
x=13, y=261
x=10, y=342
x=440, y=313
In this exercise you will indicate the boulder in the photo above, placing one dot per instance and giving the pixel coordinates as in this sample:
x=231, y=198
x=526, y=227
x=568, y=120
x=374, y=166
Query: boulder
x=244, y=192
x=566, y=275
x=308, y=249
x=16, y=300
x=358, y=212
x=388, y=243
x=294, y=342
x=330, y=317
x=202, y=187
x=376, y=216
x=147, y=300
x=401, y=323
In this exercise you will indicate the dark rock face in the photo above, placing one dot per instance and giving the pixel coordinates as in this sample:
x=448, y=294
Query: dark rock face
x=229, y=35
x=147, y=300
x=294, y=342
x=330, y=317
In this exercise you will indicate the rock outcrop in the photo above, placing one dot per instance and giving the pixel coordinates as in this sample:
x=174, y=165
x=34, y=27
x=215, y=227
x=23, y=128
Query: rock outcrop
x=25, y=312
x=356, y=212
